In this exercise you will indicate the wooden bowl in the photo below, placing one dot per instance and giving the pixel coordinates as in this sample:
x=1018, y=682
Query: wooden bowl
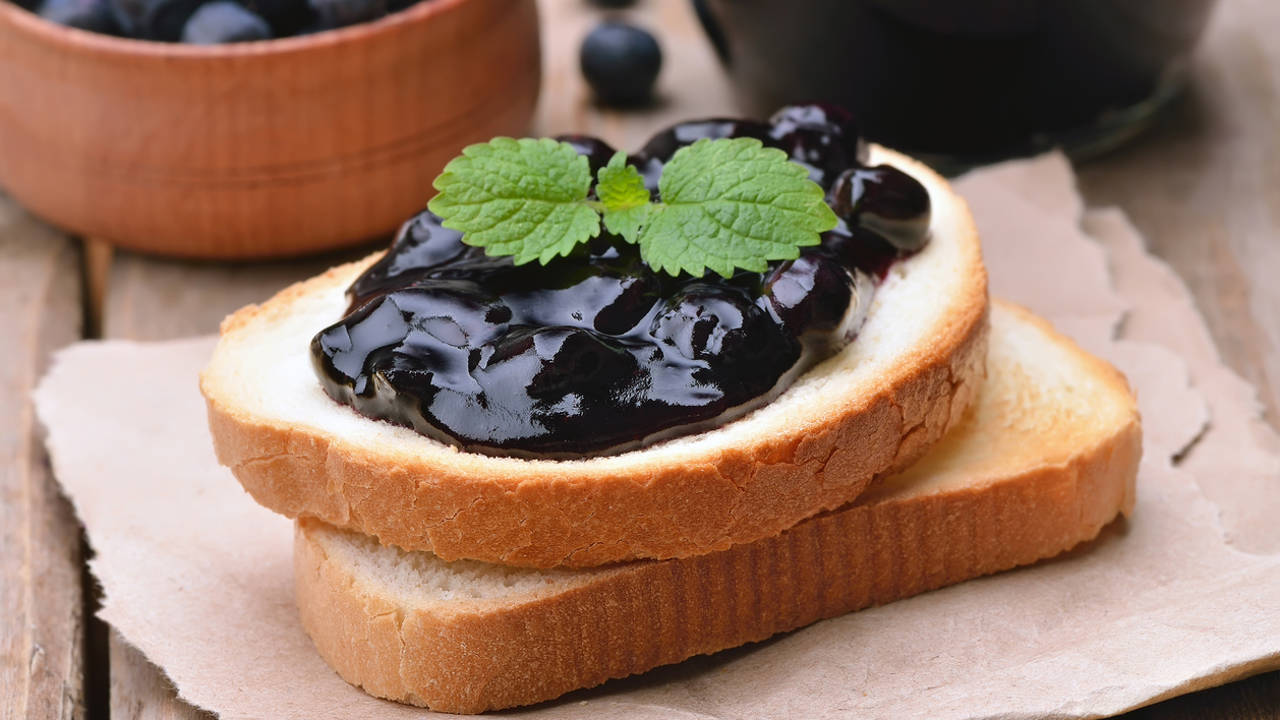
x=261, y=149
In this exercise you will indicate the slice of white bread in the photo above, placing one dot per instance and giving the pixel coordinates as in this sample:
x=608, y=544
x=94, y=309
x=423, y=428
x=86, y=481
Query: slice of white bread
x=1047, y=457
x=875, y=406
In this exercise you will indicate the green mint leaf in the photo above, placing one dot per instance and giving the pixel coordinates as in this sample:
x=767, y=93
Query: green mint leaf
x=526, y=198
x=623, y=196
x=732, y=204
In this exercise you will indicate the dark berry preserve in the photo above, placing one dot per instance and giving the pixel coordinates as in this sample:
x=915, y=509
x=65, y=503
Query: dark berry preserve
x=597, y=354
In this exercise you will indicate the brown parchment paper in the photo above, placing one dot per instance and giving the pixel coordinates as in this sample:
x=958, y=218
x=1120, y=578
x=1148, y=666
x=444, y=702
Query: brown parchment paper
x=1184, y=595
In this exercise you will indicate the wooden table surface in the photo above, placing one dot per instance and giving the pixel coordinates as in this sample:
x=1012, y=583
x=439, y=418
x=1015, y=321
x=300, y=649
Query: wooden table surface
x=1203, y=185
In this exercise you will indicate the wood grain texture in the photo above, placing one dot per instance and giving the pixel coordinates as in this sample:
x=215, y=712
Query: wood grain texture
x=41, y=621
x=139, y=691
x=151, y=299
x=1203, y=185
x=256, y=149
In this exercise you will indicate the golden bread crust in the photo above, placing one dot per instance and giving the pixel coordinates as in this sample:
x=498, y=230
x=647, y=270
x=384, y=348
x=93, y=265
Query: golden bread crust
x=468, y=658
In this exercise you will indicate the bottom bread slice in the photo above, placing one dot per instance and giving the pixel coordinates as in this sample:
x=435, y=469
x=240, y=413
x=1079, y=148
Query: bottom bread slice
x=1046, y=458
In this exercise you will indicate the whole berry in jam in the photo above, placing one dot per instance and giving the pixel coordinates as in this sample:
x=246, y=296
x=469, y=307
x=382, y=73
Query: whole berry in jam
x=811, y=292
x=858, y=247
x=659, y=149
x=823, y=138
x=597, y=151
x=224, y=21
x=666, y=142
x=620, y=62
x=885, y=200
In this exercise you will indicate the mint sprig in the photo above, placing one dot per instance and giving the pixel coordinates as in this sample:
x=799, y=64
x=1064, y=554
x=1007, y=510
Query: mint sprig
x=526, y=198
x=726, y=204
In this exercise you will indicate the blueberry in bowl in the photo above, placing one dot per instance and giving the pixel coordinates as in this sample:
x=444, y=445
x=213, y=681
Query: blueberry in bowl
x=92, y=15
x=215, y=21
x=224, y=21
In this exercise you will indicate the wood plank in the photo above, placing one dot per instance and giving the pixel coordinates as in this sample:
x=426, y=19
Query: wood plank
x=41, y=605
x=1204, y=188
x=154, y=299
x=139, y=691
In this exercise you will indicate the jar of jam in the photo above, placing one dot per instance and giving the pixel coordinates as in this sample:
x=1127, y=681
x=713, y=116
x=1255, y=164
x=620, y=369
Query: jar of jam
x=964, y=82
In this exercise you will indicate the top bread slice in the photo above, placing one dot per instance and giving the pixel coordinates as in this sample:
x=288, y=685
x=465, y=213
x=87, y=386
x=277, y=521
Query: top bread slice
x=1047, y=456
x=873, y=408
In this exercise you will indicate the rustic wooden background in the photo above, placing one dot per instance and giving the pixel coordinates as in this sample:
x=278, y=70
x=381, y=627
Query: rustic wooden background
x=1203, y=185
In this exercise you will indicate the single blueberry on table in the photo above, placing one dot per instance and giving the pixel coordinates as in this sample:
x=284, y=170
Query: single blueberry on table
x=620, y=62
x=92, y=15
x=224, y=21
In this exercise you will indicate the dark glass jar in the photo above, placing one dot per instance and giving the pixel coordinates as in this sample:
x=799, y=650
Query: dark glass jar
x=964, y=82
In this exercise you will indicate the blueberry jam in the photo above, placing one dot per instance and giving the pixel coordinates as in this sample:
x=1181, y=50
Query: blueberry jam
x=596, y=354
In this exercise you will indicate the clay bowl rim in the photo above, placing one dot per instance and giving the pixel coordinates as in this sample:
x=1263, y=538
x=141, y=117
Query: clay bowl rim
x=85, y=41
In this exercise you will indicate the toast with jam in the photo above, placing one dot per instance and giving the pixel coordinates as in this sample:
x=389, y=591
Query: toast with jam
x=593, y=409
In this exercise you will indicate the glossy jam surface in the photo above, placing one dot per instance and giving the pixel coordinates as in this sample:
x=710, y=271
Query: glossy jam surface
x=596, y=354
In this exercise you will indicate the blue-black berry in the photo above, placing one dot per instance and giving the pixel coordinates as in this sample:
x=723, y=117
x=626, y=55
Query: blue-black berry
x=286, y=17
x=340, y=13
x=620, y=62
x=153, y=19
x=224, y=21
x=93, y=15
